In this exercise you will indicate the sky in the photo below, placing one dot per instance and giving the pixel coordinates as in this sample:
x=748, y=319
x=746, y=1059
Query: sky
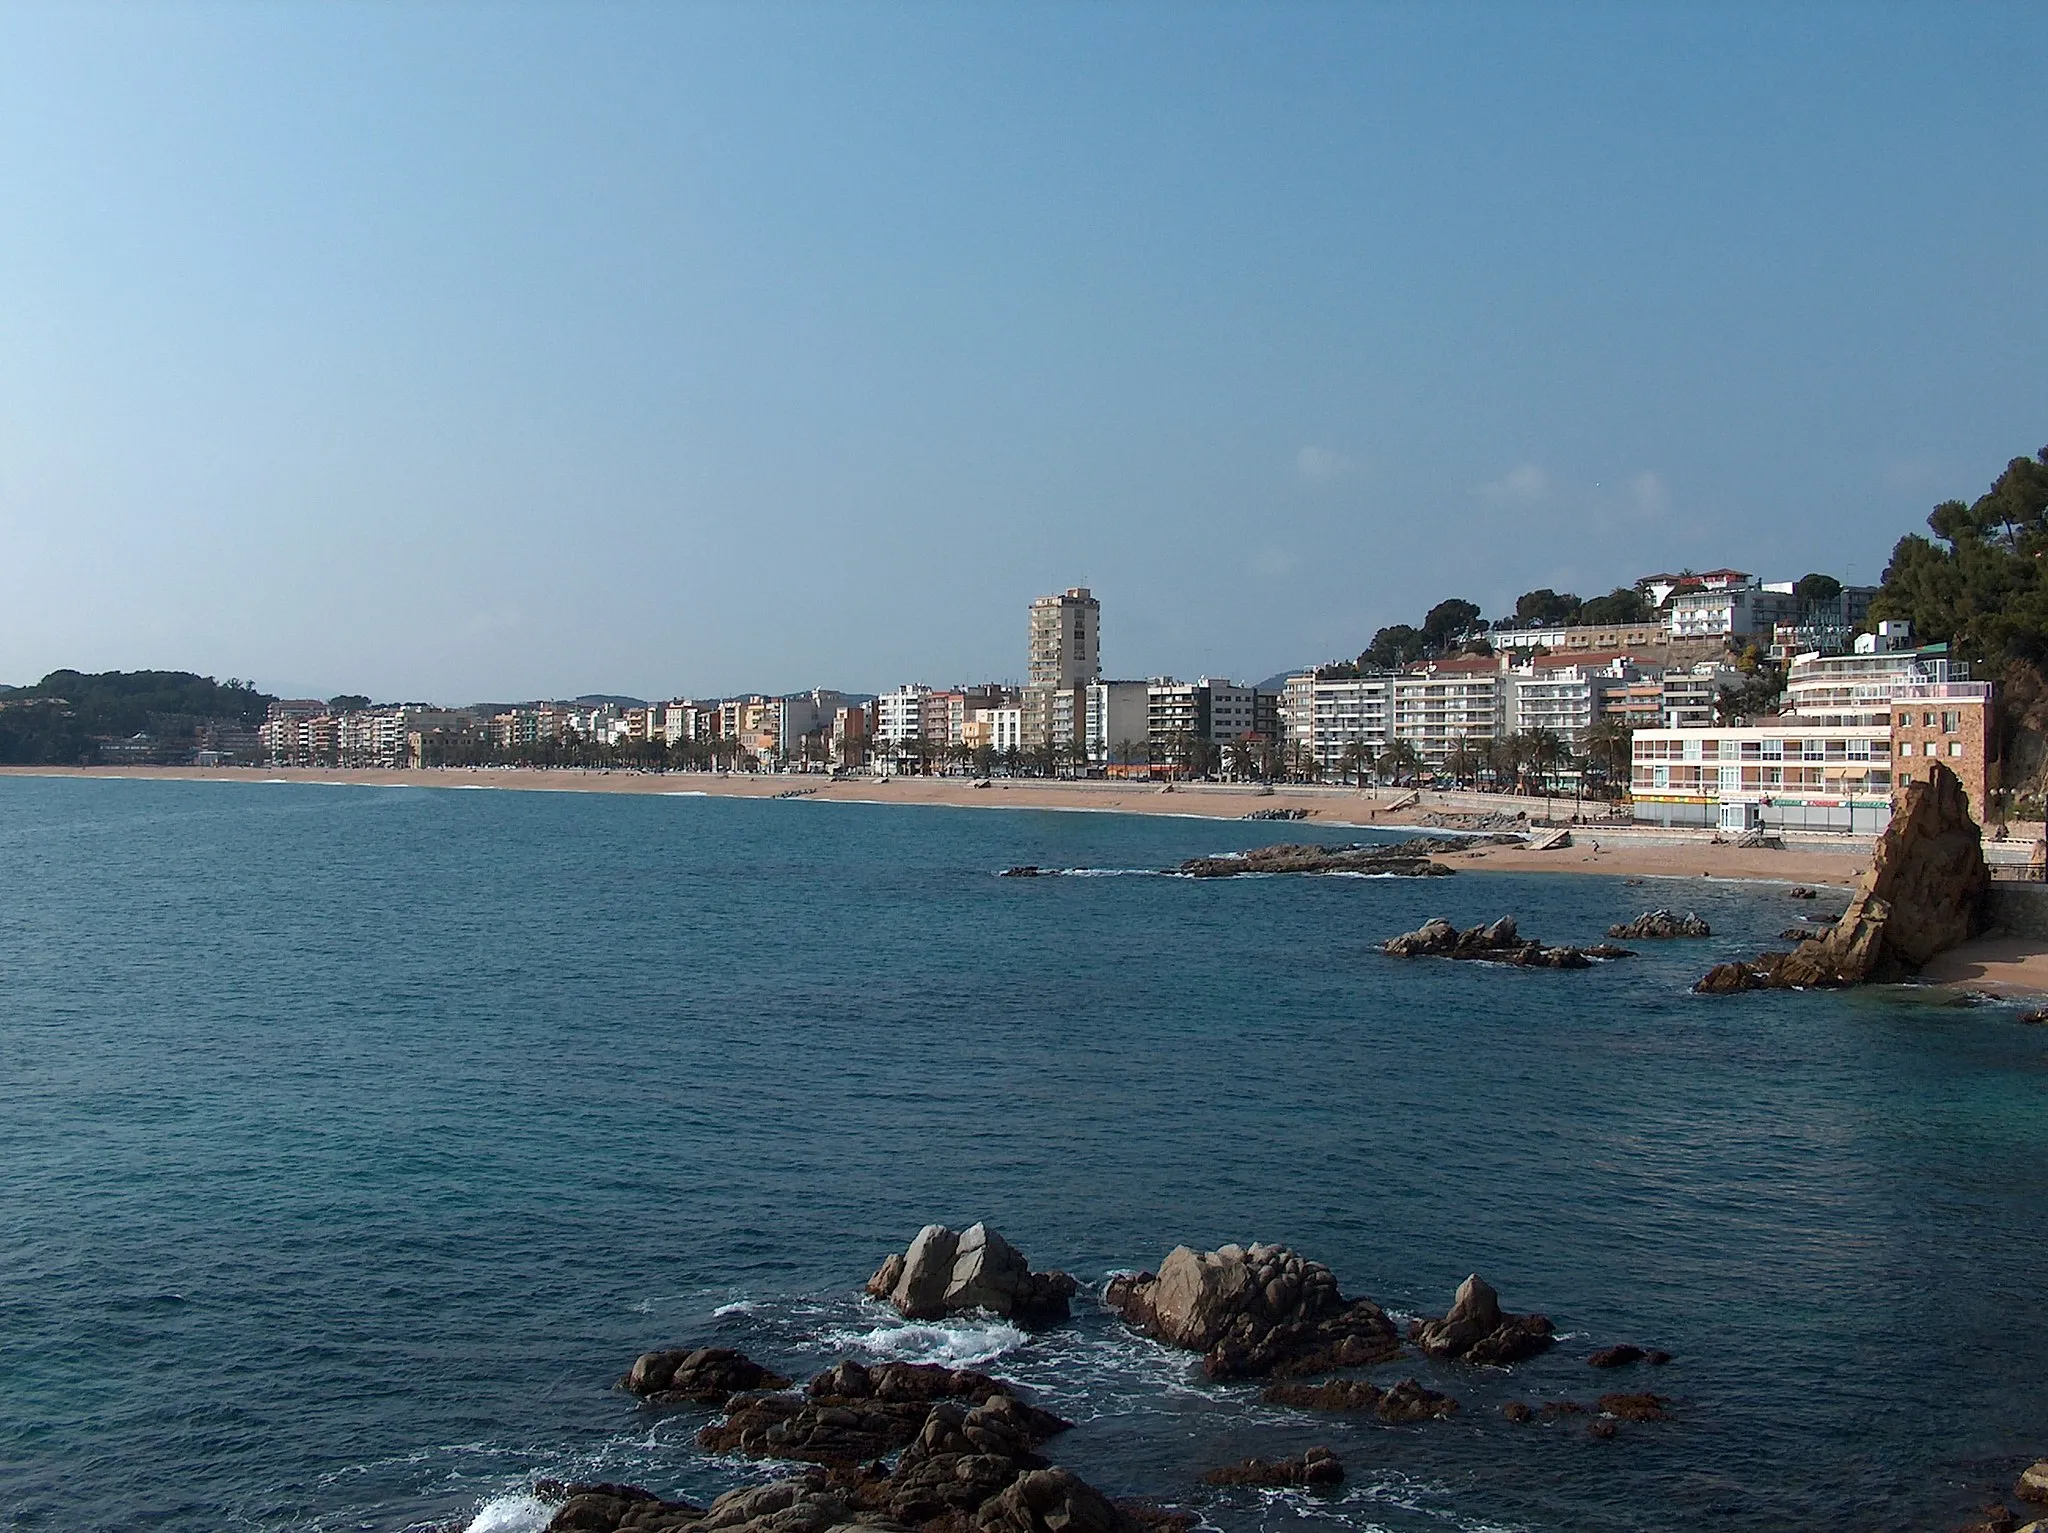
x=460, y=352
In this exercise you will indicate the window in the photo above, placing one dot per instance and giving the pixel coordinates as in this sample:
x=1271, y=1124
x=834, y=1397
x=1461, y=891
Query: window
x=1955, y=747
x=1905, y=747
x=1926, y=721
x=1949, y=722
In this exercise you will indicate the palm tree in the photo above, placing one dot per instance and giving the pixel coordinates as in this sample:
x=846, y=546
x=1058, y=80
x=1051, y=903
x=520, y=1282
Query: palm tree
x=1398, y=760
x=1242, y=756
x=1544, y=752
x=1610, y=745
x=1462, y=762
x=1355, y=760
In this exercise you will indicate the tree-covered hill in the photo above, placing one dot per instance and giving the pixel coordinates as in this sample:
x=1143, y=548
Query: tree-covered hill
x=64, y=719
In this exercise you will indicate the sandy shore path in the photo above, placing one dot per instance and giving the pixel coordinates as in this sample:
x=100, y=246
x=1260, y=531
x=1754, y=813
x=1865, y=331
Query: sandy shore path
x=1597, y=848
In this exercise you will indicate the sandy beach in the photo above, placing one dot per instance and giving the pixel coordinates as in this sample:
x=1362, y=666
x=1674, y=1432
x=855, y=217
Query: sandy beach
x=1599, y=847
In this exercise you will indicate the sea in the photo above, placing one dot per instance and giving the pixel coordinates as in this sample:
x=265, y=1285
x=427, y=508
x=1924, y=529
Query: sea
x=353, y=1141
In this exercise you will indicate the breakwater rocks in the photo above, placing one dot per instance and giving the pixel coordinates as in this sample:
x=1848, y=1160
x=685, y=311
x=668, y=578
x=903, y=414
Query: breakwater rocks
x=1398, y=859
x=1924, y=894
x=943, y=1273
x=1477, y=1330
x=1498, y=943
x=1253, y=1311
x=1278, y=814
x=1658, y=924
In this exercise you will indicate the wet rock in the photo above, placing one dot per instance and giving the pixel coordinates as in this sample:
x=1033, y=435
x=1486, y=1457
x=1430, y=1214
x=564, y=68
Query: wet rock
x=2035, y=1017
x=1730, y=978
x=1995, y=1518
x=605, y=1507
x=1318, y=1466
x=1801, y=933
x=1642, y=1407
x=1518, y=1412
x=852, y=1413
x=1057, y=1501
x=1557, y=1410
x=961, y=1458
x=1253, y=1311
x=943, y=1273
x=1799, y=892
x=1499, y=942
x=1022, y=870
x=1661, y=923
x=2033, y=1483
x=701, y=1375
x=1924, y=893
x=1601, y=1429
x=1408, y=1401
x=1477, y=1330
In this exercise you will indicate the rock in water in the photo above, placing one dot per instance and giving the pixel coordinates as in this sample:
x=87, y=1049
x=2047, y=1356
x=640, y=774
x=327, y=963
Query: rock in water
x=1254, y=1311
x=1318, y=1466
x=1497, y=943
x=2033, y=1483
x=702, y=1375
x=1924, y=894
x=943, y=1273
x=1479, y=1331
x=1661, y=923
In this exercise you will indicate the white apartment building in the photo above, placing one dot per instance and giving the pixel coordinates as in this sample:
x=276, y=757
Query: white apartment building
x=1858, y=688
x=1005, y=729
x=1447, y=703
x=1693, y=693
x=1118, y=720
x=1564, y=696
x=899, y=715
x=1732, y=611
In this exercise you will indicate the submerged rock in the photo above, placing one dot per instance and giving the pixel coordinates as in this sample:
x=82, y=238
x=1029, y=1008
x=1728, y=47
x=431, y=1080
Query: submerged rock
x=1317, y=1466
x=1924, y=894
x=943, y=1273
x=1405, y=1401
x=1622, y=1355
x=1407, y=859
x=1500, y=942
x=1639, y=1407
x=1661, y=923
x=1022, y=870
x=1477, y=1330
x=1253, y=1311
x=700, y=1375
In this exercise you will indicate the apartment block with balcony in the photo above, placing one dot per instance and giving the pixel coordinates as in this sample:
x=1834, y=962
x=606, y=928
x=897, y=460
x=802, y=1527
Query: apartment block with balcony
x=1441, y=705
x=1782, y=774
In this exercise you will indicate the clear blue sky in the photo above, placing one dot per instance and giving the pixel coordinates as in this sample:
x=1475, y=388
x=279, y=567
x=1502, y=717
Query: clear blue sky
x=482, y=351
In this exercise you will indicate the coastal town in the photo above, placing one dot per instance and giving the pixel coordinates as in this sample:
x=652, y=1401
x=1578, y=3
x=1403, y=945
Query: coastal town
x=1723, y=702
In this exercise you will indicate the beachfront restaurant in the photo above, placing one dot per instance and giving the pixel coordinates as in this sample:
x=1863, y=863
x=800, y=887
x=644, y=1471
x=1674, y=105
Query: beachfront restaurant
x=1779, y=776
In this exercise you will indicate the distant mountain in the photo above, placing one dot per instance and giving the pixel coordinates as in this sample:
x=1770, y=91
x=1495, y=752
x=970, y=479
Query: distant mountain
x=64, y=718
x=598, y=699
x=1278, y=681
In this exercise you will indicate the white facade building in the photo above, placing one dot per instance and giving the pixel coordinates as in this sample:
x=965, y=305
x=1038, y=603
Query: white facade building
x=1118, y=720
x=899, y=715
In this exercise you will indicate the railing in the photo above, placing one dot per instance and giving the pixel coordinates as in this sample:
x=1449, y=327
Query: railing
x=2019, y=873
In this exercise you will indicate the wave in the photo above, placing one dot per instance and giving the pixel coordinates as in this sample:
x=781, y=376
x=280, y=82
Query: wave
x=737, y=1307
x=521, y=1513
x=959, y=1345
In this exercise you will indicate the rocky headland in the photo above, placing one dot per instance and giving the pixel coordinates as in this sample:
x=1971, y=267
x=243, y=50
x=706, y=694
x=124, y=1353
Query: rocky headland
x=1500, y=942
x=1923, y=894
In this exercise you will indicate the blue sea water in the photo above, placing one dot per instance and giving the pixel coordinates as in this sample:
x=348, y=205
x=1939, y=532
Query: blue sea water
x=352, y=1141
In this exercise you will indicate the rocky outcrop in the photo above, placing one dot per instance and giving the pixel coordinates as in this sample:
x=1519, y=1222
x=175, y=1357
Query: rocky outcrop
x=1658, y=924
x=1408, y=859
x=2033, y=1483
x=1318, y=1466
x=1405, y=1402
x=1500, y=942
x=1924, y=894
x=1253, y=1311
x=1641, y=1407
x=699, y=1375
x=1477, y=1330
x=852, y=1413
x=943, y=1273
x=1022, y=870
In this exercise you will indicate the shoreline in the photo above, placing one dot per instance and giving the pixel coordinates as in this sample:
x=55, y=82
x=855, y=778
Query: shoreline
x=1611, y=847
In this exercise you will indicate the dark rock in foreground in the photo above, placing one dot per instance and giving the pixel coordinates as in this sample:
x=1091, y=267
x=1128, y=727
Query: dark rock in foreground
x=602, y=1507
x=700, y=1375
x=1254, y=1311
x=1924, y=894
x=851, y=1413
x=1407, y=859
x=1477, y=1330
x=1404, y=1402
x=1498, y=943
x=1318, y=1466
x=1661, y=923
x=943, y=1272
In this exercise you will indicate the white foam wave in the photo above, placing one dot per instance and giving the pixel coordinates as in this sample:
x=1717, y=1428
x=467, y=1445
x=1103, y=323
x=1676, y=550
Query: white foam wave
x=737, y=1307
x=957, y=1346
x=522, y=1513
